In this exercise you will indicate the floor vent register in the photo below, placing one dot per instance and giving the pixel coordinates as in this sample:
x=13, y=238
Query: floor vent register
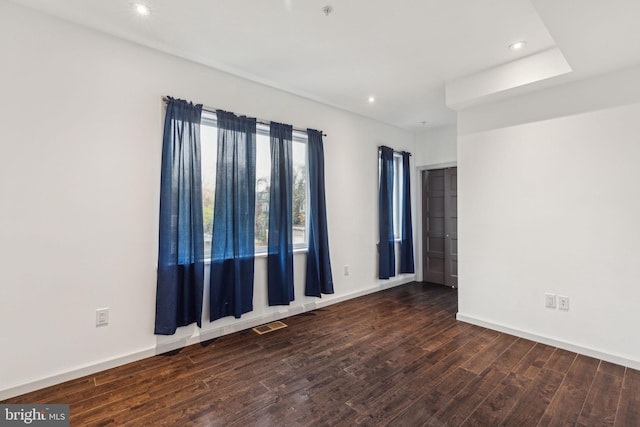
x=269, y=327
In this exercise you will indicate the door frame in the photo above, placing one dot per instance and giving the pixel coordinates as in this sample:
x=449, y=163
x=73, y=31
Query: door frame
x=418, y=223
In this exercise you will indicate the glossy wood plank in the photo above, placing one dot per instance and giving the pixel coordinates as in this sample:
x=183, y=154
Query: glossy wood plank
x=568, y=402
x=560, y=360
x=425, y=407
x=532, y=363
x=501, y=400
x=628, y=413
x=611, y=369
x=602, y=400
x=463, y=404
x=534, y=401
x=487, y=355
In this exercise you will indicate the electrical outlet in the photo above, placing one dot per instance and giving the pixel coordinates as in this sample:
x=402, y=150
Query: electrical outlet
x=550, y=300
x=563, y=302
x=102, y=316
x=346, y=270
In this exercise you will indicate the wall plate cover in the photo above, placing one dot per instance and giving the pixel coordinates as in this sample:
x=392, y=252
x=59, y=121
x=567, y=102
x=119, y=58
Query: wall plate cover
x=102, y=316
x=550, y=300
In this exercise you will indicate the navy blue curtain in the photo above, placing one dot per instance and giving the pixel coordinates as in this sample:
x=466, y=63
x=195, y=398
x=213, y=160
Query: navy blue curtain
x=386, y=250
x=406, y=242
x=280, y=255
x=181, y=237
x=232, y=246
x=319, y=278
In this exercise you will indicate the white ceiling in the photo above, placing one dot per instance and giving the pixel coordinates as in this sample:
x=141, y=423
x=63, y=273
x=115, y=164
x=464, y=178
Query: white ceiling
x=403, y=52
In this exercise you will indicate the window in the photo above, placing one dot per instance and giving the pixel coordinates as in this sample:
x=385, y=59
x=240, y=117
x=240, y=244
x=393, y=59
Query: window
x=209, y=150
x=300, y=190
x=397, y=191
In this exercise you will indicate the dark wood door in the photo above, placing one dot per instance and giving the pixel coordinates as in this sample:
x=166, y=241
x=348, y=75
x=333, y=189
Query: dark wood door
x=440, y=226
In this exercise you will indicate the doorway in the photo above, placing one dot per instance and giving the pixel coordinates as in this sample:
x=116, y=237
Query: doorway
x=440, y=226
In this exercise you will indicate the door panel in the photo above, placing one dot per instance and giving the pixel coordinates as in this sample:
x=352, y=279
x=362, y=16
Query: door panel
x=451, y=227
x=439, y=226
x=434, y=226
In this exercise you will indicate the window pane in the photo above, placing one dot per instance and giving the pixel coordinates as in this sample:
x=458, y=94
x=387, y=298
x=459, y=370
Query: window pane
x=263, y=178
x=397, y=191
x=209, y=154
x=299, y=190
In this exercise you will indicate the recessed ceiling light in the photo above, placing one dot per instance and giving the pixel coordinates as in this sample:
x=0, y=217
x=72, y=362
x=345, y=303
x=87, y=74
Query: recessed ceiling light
x=142, y=9
x=517, y=45
x=372, y=99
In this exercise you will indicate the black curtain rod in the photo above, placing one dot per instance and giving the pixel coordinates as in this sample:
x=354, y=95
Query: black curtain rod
x=259, y=121
x=395, y=151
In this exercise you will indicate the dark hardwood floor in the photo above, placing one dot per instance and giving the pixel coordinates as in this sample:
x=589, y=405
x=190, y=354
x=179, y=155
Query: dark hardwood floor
x=397, y=357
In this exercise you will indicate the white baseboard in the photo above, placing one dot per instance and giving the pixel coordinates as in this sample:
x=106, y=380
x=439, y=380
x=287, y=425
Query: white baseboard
x=613, y=358
x=204, y=335
x=379, y=286
x=88, y=369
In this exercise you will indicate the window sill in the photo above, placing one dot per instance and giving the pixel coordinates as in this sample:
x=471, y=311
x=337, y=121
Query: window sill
x=398, y=240
x=264, y=254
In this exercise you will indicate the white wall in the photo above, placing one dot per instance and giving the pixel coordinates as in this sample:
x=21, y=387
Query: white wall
x=549, y=202
x=81, y=122
x=436, y=146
